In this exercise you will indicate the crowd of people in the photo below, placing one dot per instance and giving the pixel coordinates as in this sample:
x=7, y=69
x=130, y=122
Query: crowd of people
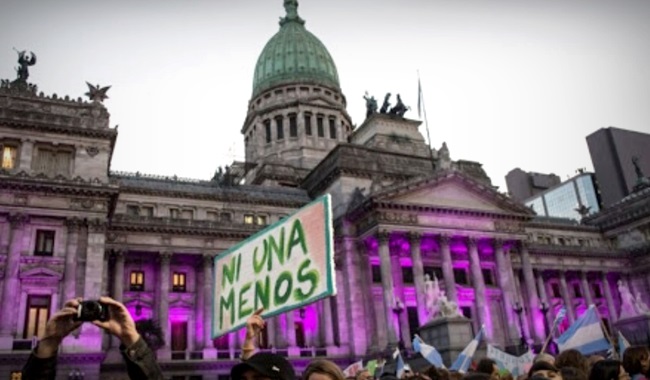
x=141, y=361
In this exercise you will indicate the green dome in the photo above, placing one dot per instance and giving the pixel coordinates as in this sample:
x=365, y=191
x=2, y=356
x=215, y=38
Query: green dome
x=294, y=55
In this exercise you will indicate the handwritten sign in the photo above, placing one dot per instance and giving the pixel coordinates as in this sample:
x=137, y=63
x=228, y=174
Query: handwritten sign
x=516, y=365
x=284, y=267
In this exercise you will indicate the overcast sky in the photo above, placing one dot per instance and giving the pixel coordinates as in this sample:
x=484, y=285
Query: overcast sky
x=508, y=83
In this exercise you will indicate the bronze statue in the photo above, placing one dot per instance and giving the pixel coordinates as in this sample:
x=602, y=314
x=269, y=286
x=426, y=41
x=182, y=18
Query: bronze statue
x=399, y=109
x=96, y=93
x=371, y=105
x=384, y=107
x=24, y=61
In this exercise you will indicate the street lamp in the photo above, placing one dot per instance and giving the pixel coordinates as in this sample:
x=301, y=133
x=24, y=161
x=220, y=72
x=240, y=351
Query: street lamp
x=519, y=309
x=398, y=309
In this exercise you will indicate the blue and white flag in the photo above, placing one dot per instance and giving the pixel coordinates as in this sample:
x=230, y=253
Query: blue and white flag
x=428, y=352
x=623, y=344
x=559, y=317
x=585, y=335
x=464, y=359
x=516, y=365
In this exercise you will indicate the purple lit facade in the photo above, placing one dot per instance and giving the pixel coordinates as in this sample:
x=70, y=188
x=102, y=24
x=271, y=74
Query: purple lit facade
x=69, y=227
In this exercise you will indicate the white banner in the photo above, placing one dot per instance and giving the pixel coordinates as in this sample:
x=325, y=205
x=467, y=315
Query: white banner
x=516, y=365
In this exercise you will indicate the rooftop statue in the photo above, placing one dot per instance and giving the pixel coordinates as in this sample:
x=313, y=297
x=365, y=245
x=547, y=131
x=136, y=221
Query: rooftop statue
x=96, y=93
x=24, y=60
x=386, y=105
x=637, y=167
x=371, y=105
x=399, y=109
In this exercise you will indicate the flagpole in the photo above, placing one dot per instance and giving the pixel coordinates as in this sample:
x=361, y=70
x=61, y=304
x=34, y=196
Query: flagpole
x=548, y=338
x=609, y=337
x=424, y=113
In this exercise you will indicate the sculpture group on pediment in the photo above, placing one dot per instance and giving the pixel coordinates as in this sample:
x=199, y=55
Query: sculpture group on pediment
x=436, y=303
x=371, y=106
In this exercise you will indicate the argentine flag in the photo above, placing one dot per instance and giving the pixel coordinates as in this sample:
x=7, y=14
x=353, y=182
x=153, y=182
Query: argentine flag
x=428, y=352
x=585, y=335
x=464, y=359
x=401, y=367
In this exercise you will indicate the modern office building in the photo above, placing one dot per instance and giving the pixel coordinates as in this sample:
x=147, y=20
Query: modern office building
x=574, y=198
x=524, y=185
x=71, y=227
x=612, y=151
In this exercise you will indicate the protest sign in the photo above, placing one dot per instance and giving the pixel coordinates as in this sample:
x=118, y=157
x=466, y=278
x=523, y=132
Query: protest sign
x=283, y=267
x=516, y=365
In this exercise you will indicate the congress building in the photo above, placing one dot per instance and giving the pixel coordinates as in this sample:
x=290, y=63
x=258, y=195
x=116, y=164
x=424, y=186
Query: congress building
x=69, y=226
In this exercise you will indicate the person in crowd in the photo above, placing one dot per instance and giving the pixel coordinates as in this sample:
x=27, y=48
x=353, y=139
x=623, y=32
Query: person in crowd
x=477, y=376
x=544, y=357
x=140, y=360
x=570, y=373
x=363, y=374
x=593, y=359
x=489, y=367
x=572, y=358
x=322, y=369
x=608, y=369
x=263, y=366
x=636, y=361
x=254, y=325
x=546, y=370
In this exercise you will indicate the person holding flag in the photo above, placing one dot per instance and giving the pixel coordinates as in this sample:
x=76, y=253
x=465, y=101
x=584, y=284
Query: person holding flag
x=428, y=352
x=464, y=359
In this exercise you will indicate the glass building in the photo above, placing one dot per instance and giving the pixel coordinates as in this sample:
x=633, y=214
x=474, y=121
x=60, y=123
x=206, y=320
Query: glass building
x=568, y=199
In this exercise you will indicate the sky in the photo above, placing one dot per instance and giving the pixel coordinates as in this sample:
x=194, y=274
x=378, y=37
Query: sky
x=507, y=83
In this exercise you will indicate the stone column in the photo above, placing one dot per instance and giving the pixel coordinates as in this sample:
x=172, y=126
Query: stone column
x=11, y=284
x=92, y=281
x=418, y=276
x=343, y=309
x=533, y=299
x=199, y=327
x=70, y=269
x=118, y=291
x=327, y=322
x=371, y=339
x=163, y=303
x=387, y=285
x=479, y=286
x=548, y=321
x=271, y=333
x=586, y=290
x=208, y=347
x=607, y=289
x=506, y=283
x=447, y=268
x=291, y=333
x=564, y=288
x=398, y=283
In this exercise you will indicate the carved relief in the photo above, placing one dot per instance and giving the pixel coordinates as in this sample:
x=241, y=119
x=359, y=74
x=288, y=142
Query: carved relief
x=97, y=225
x=82, y=204
x=92, y=151
x=505, y=226
x=35, y=266
x=20, y=199
x=398, y=217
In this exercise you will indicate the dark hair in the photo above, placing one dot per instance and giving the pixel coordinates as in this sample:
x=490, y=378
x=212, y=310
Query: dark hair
x=571, y=373
x=607, y=369
x=542, y=366
x=432, y=372
x=486, y=365
x=632, y=359
x=572, y=358
x=324, y=367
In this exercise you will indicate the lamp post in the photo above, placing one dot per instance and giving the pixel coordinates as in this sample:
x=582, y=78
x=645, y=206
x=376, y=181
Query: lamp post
x=522, y=344
x=398, y=309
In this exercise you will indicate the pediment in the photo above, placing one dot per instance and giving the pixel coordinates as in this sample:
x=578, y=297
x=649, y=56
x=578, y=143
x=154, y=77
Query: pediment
x=40, y=272
x=452, y=190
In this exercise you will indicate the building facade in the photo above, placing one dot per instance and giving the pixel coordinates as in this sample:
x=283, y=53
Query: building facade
x=524, y=185
x=574, y=198
x=612, y=151
x=71, y=227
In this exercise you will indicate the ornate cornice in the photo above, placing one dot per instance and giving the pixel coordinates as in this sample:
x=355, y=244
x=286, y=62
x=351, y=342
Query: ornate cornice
x=22, y=181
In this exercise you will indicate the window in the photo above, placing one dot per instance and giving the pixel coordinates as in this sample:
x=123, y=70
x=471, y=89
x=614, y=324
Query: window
x=332, y=128
x=460, y=276
x=226, y=217
x=178, y=282
x=466, y=311
x=413, y=319
x=267, y=130
x=137, y=281
x=212, y=215
x=376, y=274
x=174, y=213
x=147, y=211
x=319, y=126
x=280, y=127
x=53, y=161
x=9, y=156
x=293, y=126
x=249, y=219
x=407, y=275
x=577, y=291
x=187, y=214
x=260, y=220
x=555, y=288
x=44, y=243
x=16, y=375
x=488, y=276
x=308, y=124
x=132, y=210
x=38, y=312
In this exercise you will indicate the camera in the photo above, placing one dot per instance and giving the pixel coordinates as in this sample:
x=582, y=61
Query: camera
x=91, y=311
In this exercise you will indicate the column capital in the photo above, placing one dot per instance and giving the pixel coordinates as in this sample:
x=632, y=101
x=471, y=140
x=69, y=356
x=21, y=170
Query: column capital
x=17, y=220
x=472, y=242
x=414, y=237
x=523, y=245
x=498, y=243
x=97, y=225
x=208, y=258
x=383, y=236
x=165, y=257
x=444, y=239
x=118, y=254
x=73, y=224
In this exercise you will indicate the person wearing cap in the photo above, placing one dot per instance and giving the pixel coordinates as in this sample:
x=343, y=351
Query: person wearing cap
x=544, y=369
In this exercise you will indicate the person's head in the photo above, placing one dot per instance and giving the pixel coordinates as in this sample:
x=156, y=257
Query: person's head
x=363, y=374
x=476, y=376
x=636, y=360
x=570, y=373
x=432, y=373
x=608, y=370
x=593, y=359
x=263, y=366
x=322, y=369
x=488, y=366
x=544, y=357
x=572, y=358
x=544, y=369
